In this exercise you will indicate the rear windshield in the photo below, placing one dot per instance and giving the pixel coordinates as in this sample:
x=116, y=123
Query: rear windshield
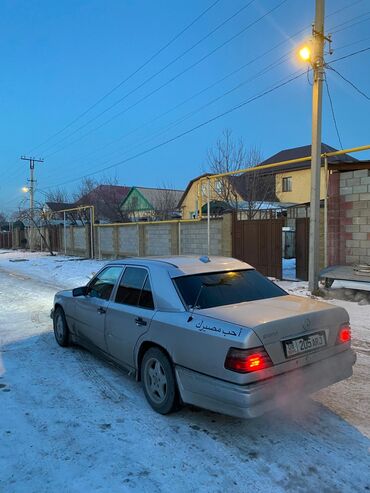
x=225, y=288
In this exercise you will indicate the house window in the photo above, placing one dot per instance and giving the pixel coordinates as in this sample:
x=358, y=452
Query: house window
x=287, y=184
x=218, y=186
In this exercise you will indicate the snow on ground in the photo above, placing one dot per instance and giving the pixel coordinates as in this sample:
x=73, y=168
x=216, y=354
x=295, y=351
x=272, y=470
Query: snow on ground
x=289, y=269
x=59, y=270
x=71, y=422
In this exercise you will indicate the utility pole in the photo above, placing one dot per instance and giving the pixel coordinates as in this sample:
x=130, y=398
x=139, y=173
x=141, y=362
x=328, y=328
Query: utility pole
x=319, y=73
x=32, y=182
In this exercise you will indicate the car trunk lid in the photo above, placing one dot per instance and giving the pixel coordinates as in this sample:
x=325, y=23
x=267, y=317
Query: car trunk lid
x=276, y=320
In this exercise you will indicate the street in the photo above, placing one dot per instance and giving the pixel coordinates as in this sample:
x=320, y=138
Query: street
x=71, y=422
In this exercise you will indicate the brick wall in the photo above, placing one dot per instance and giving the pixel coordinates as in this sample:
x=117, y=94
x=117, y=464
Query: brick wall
x=349, y=218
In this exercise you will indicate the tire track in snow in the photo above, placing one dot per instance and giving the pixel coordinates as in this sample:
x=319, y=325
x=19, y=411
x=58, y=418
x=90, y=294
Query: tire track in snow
x=89, y=369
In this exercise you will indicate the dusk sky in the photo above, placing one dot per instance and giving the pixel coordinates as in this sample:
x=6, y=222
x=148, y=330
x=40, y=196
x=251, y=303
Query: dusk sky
x=60, y=58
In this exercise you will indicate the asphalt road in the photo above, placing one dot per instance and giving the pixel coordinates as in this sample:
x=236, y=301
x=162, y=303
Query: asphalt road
x=70, y=422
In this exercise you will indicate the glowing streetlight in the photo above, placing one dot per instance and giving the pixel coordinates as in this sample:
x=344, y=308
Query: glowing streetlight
x=25, y=189
x=305, y=53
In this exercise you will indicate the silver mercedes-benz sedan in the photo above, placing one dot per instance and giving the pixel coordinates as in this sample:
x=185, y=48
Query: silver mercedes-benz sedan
x=212, y=332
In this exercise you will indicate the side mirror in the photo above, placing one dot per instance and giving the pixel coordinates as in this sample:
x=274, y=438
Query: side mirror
x=83, y=291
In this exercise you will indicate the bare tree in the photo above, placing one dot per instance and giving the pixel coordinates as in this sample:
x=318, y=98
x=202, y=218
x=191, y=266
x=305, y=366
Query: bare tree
x=86, y=186
x=106, y=196
x=225, y=156
x=59, y=196
x=38, y=220
x=165, y=202
x=3, y=218
x=254, y=188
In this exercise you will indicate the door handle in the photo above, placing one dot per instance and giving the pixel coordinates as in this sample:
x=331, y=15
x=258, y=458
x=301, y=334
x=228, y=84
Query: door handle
x=102, y=310
x=140, y=321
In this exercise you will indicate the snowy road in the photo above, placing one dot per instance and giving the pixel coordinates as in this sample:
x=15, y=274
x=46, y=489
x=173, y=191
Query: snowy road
x=70, y=422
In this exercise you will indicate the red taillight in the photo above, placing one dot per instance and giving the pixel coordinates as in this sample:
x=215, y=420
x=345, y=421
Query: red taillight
x=247, y=360
x=344, y=334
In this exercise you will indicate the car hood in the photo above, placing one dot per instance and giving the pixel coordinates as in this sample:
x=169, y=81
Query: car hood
x=262, y=313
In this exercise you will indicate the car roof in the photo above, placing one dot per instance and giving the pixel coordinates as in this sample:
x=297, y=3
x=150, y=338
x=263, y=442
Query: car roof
x=186, y=264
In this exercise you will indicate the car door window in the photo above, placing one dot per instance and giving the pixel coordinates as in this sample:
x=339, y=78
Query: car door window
x=134, y=288
x=102, y=285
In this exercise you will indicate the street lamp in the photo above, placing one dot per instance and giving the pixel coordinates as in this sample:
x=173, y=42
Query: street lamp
x=305, y=53
x=25, y=189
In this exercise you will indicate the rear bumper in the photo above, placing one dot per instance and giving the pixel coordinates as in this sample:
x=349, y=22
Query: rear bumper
x=252, y=400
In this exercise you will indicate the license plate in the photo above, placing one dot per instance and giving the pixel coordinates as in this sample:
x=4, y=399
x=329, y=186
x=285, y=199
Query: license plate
x=304, y=344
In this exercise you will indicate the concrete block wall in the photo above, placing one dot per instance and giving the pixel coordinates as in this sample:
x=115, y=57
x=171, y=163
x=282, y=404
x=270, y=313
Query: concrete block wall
x=158, y=239
x=349, y=219
x=106, y=241
x=128, y=241
x=80, y=239
x=194, y=239
x=77, y=240
x=164, y=239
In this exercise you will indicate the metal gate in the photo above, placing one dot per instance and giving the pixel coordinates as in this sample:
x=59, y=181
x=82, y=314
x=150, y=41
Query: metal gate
x=259, y=243
x=6, y=239
x=302, y=232
x=54, y=238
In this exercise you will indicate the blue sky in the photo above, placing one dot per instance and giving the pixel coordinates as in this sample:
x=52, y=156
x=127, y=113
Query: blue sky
x=59, y=58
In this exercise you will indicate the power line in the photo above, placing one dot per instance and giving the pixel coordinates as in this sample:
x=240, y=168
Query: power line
x=200, y=125
x=158, y=72
x=350, y=83
x=351, y=25
x=350, y=20
x=333, y=113
x=342, y=47
x=150, y=59
x=358, y=52
x=186, y=132
x=209, y=103
x=294, y=35
x=229, y=40
x=350, y=5
x=277, y=62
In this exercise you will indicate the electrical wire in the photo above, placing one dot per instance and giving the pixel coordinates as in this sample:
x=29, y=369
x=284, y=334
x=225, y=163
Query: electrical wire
x=350, y=25
x=333, y=112
x=180, y=120
x=350, y=20
x=186, y=132
x=358, y=52
x=169, y=81
x=350, y=83
x=342, y=47
x=153, y=57
x=132, y=74
x=158, y=72
x=230, y=74
x=350, y=5
x=199, y=126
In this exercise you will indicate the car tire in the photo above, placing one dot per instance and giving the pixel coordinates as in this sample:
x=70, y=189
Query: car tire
x=61, y=331
x=159, y=382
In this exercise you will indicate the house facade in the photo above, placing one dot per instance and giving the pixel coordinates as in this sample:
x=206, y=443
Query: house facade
x=222, y=192
x=146, y=204
x=293, y=180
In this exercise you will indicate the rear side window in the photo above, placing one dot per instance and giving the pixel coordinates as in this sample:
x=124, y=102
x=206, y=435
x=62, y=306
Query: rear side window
x=226, y=288
x=134, y=288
